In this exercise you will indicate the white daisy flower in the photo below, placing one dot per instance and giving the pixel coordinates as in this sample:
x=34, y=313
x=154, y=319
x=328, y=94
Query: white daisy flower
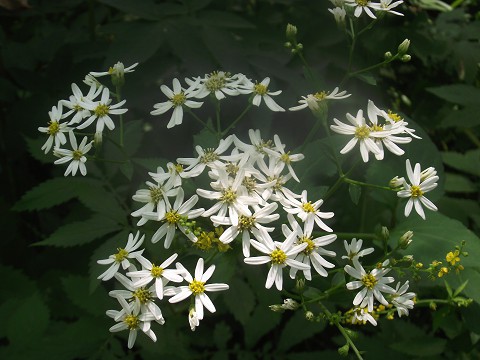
x=260, y=91
x=131, y=319
x=75, y=100
x=402, y=300
x=339, y=14
x=361, y=316
x=246, y=224
x=353, y=249
x=396, y=120
x=159, y=273
x=197, y=288
x=279, y=255
x=305, y=210
x=314, y=252
x=178, y=98
x=419, y=186
x=76, y=156
x=218, y=83
x=257, y=146
x=55, y=130
x=141, y=297
x=101, y=112
x=283, y=158
x=363, y=5
x=122, y=257
x=387, y=5
x=312, y=100
x=373, y=283
x=173, y=217
x=272, y=179
x=362, y=133
x=116, y=70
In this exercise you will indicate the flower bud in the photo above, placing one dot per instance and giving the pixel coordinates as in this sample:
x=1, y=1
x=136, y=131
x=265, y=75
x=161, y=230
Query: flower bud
x=403, y=47
x=388, y=55
x=290, y=304
x=405, y=239
x=291, y=32
x=277, y=308
x=406, y=58
x=396, y=182
x=309, y=316
x=300, y=285
x=343, y=351
x=385, y=233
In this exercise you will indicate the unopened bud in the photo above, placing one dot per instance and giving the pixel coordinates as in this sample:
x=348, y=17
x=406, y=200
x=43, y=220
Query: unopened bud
x=433, y=306
x=291, y=32
x=403, y=47
x=290, y=304
x=288, y=44
x=406, y=58
x=309, y=316
x=388, y=55
x=405, y=239
x=343, y=351
x=300, y=285
x=277, y=308
x=385, y=233
x=396, y=182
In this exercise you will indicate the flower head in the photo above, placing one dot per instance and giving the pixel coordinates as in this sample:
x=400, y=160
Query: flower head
x=76, y=156
x=260, y=91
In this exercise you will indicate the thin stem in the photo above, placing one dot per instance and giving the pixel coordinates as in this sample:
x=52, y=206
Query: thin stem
x=217, y=114
x=308, y=68
x=119, y=98
x=368, y=68
x=348, y=235
x=360, y=183
x=212, y=130
x=471, y=135
x=232, y=125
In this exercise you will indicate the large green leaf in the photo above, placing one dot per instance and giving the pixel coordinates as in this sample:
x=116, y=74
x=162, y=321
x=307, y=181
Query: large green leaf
x=457, y=93
x=468, y=162
x=297, y=330
x=240, y=300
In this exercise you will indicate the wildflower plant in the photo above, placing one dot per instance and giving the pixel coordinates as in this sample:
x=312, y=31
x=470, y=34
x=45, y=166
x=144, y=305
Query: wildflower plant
x=311, y=214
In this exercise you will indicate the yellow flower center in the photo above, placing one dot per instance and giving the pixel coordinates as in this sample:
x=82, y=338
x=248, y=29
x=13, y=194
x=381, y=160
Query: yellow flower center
x=172, y=217
x=394, y=116
x=77, y=107
x=228, y=196
x=205, y=241
x=264, y=144
x=415, y=191
x=320, y=95
x=209, y=156
x=143, y=295
x=121, y=255
x=362, y=2
x=260, y=89
x=178, y=168
x=156, y=194
x=278, y=257
x=156, y=271
x=310, y=245
x=101, y=110
x=132, y=322
x=249, y=184
x=369, y=281
x=197, y=287
x=215, y=82
x=231, y=168
x=178, y=99
x=376, y=128
x=362, y=132
x=77, y=154
x=246, y=222
x=308, y=207
x=286, y=158
x=53, y=127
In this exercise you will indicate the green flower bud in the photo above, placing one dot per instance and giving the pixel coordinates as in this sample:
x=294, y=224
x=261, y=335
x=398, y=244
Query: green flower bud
x=405, y=239
x=403, y=47
x=406, y=58
x=388, y=55
x=291, y=32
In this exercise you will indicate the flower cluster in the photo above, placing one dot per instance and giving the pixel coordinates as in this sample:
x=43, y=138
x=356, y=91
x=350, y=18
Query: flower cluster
x=342, y=7
x=218, y=84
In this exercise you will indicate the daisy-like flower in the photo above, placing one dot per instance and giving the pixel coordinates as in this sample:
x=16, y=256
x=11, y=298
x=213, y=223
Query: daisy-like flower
x=362, y=133
x=361, y=316
x=260, y=91
x=217, y=83
x=373, y=283
x=314, y=252
x=353, y=249
x=74, y=103
x=116, y=70
x=197, y=288
x=129, y=318
x=173, y=217
x=284, y=158
x=122, y=257
x=178, y=98
x=246, y=224
x=402, y=300
x=159, y=273
x=279, y=255
x=142, y=298
x=387, y=5
x=273, y=180
x=101, y=112
x=394, y=118
x=305, y=210
x=339, y=14
x=416, y=190
x=257, y=146
x=76, y=156
x=312, y=100
x=55, y=130
x=155, y=198
x=363, y=5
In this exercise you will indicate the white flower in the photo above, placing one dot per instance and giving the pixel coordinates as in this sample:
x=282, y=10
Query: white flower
x=273, y=180
x=173, y=217
x=339, y=14
x=257, y=146
x=313, y=251
x=197, y=288
x=218, y=83
x=361, y=316
x=362, y=133
x=373, y=283
x=155, y=197
x=178, y=98
x=116, y=70
x=386, y=5
x=312, y=100
x=193, y=319
x=402, y=300
x=130, y=319
x=75, y=100
x=159, y=273
x=101, y=112
x=283, y=158
x=261, y=92
x=419, y=186
x=353, y=249
x=305, y=210
x=290, y=304
x=246, y=224
x=279, y=255
x=55, y=130
x=76, y=155
x=398, y=121
x=363, y=5
x=122, y=257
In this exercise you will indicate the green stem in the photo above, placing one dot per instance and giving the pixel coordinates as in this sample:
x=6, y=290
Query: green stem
x=428, y=301
x=234, y=123
x=119, y=98
x=217, y=114
x=368, y=68
x=360, y=183
x=212, y=130
x=308, y=69
x=473, y=138
x=348, y=235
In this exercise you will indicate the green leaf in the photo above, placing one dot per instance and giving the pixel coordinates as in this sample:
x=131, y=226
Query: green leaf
x=355, y=191
x=29, y=321
x=34, y=148
x=459, y=289
x=367, y=78
x=81, y=232
x=49, y=193
x=224, y=19
x=297, y=330
x=222, y=334
x=462, y=118
x=448, y=288
x=133, y=136
x=205, y=138
x=77, y=290
x=260, y=323
x=426, y=346
x=145, y=9
x=458, y=93
x=468, y=162
x=459, y=184
x=240, y=300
